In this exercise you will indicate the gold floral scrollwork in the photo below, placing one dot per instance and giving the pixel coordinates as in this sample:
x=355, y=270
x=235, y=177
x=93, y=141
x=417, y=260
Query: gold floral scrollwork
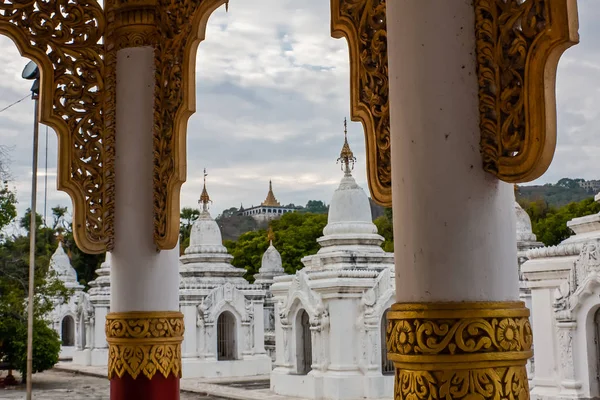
x=518, y=45
x=144, y=343
x=363, y=24
x=460, y=350
x=181, y=28
x=63, y=38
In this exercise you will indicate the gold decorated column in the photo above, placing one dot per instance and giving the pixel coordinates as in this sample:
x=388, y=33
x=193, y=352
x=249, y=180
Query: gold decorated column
x=457, y=98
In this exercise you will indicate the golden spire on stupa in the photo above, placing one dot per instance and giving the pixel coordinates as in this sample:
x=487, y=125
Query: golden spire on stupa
x=270, y=201
x=204, y=198
x=346, y=155
x=270, y=235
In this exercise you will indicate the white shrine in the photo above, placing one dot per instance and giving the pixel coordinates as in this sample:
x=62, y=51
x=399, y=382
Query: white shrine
x=223, y=313
x=270, y=267
x=330, y=316
x=91, y=314
x=526, y=240
x=64, y=314
x=565, y=297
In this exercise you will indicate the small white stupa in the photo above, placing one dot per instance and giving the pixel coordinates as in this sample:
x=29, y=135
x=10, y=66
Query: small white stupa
x=223, y=313
x=271, y=266
x=330, y=316
x=92, y=311
x=64, y=314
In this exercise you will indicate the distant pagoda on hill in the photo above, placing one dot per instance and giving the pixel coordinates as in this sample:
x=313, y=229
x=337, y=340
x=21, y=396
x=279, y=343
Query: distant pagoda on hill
x=268, y=209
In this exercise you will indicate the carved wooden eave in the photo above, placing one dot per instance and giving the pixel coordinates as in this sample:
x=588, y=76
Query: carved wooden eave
x=363, y=24
x=77, y=97
x=518, y=47
x=72, y=101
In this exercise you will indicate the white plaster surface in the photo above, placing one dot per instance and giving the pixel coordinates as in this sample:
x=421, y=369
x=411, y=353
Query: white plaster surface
x=454, y=224
x=135, y=258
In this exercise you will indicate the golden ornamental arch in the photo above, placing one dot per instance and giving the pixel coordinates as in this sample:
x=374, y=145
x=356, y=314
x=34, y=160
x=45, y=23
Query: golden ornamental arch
x=74, y=43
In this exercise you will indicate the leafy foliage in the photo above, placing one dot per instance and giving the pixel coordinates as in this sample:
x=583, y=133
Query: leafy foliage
x=14, y=270
x=550, y=223
x=8, y=202
x=295, y=237
x=385, y=227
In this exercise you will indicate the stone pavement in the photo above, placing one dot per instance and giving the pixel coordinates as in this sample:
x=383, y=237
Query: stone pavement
x=73, y=377
x=57, y=385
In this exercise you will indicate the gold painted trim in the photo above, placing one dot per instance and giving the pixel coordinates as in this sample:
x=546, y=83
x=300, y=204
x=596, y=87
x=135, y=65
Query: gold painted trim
x=518, y=46
x=73, y=101
x=174, y=103
x=144, y=343
x=459, y=350
x=363, y=24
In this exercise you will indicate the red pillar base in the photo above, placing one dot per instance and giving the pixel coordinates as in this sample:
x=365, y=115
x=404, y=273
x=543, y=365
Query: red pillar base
x=142, y=388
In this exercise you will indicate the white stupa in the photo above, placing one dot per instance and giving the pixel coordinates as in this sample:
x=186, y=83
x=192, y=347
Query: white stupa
x=270, y=267
x=92, y=311
x=64, y=314
x=330, y=316
x=223, y=313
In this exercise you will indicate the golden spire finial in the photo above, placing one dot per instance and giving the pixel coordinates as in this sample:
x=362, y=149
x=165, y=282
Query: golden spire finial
x=204, y=198
x=271, y=201
x=60, y=238
x=270, y=235
x=346, y=155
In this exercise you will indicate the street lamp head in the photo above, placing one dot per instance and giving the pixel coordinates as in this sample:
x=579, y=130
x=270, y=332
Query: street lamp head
x=31, y=71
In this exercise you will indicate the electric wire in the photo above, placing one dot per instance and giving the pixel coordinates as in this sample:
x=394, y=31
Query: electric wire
x=15, y=103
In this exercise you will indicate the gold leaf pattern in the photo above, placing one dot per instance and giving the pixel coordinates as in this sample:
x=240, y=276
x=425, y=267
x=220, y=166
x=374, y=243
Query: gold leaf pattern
x=363, y=23
x=518, y=46
x=471, y=351
x=63, y=38
x=144, y=343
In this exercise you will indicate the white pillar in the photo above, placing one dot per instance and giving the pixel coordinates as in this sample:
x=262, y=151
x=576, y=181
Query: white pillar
x=142, y=279
x=454, y=224
x=259, y=328
x=189, y=347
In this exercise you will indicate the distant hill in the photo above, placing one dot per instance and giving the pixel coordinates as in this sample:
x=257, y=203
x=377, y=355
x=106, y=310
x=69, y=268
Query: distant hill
x=563, y=192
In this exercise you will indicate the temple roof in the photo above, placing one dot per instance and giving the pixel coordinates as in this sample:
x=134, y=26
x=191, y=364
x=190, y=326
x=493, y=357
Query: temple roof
x=270, y=201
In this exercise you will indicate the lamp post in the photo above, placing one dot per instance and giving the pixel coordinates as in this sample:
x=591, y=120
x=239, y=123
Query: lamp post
x=31, y=72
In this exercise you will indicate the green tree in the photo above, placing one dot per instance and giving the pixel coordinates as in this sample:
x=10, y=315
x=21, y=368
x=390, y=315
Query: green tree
x=316, y=207
x=8, y=202
x=385, y=227
x=550, y=223
x=295, y=237
x=14, y=270
x=186, y=219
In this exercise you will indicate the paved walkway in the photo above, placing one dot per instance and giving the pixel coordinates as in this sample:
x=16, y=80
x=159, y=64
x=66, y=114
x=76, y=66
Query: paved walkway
x=248, y=388
x=57, y=385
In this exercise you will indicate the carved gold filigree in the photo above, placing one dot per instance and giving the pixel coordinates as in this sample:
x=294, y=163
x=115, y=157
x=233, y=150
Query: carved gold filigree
x=518, y=47
x=144, y=343
x=62, y=37
x=460, y=350
x=181, y=27
x=363, y=24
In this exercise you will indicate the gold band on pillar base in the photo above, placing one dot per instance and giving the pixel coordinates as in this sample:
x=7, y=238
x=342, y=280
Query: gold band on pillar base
x=144, y=343
x=470, y=351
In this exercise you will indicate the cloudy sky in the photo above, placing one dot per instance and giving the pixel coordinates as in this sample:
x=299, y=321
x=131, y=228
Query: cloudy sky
x=272, y=92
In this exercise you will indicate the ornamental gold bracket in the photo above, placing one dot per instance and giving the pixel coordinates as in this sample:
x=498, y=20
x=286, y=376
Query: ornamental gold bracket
x=63, y=38
x=518, y=47
x=363, y=24
x=74, y=43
